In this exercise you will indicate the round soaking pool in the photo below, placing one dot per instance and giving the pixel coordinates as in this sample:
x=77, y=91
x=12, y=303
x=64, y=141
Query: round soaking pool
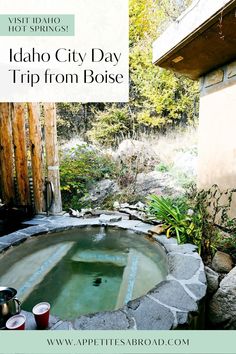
x=82, y=271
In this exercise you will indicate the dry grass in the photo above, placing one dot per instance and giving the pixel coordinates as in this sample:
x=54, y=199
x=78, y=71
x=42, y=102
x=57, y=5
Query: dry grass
x=160, y=148
x=169, y=145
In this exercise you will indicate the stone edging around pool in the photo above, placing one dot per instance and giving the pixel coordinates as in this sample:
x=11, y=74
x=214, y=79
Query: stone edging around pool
x=173, y=303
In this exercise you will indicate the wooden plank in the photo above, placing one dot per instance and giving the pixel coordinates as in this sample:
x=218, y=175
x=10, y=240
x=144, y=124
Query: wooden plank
x=19, y=139
x=52, y=159
x=6, y=154
x=35, y=136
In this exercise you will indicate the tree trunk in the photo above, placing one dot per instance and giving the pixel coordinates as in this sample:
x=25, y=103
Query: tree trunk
x=52, y=158
x=19, y=139
x=36, y=148
x=6, y=154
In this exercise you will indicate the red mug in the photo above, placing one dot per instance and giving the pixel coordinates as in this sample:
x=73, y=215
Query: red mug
x=16, y=322
x=41, y=314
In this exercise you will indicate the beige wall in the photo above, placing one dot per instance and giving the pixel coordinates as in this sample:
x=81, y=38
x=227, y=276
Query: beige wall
x=217, y=135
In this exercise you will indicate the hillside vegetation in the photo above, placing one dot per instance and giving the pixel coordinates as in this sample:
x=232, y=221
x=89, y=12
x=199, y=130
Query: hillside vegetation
x=159, y=100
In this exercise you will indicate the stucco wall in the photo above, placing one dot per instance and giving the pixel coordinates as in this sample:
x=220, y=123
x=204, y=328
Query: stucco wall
x=217, y=130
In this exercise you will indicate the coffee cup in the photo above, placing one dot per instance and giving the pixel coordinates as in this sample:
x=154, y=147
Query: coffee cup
x=41, y=314
x=16, y=322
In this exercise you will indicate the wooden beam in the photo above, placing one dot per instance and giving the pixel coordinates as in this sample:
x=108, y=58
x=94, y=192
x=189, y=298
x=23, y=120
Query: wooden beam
x=6, y=154
x=19, y=140
x=52, y=159
x=35, y=136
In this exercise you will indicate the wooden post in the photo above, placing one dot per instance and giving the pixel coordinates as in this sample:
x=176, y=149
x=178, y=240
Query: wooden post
x=35, y=136
x=52, y=158
x=6, y=154
x=19, y=139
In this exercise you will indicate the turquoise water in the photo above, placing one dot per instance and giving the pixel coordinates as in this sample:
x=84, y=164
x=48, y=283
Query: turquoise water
x=76, y=288
x=83, y=271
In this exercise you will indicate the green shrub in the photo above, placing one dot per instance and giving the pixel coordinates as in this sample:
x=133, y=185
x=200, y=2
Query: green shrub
x=185, y=180
x=213, y=207
x=111, y=126
x=80, y=167
x=197, y=218
x=162, y=167
x=177, y=218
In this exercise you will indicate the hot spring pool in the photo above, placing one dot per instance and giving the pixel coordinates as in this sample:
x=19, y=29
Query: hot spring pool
x=83, y=270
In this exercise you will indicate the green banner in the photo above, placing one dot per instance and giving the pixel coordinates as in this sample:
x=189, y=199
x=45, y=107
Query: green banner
x=117, y=342
x=37, y=25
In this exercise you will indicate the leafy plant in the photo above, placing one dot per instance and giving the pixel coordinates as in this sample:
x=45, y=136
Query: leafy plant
x=162, y=167
x=80, y=167
x=176, y=216
x=198, y=218
x=111, y=126
x=185, y=180
x=213, y=207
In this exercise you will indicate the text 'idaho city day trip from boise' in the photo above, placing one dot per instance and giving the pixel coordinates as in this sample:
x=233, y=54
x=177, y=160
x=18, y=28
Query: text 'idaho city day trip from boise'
x=66, y=55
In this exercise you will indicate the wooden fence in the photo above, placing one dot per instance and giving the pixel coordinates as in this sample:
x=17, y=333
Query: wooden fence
x=29, y=153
